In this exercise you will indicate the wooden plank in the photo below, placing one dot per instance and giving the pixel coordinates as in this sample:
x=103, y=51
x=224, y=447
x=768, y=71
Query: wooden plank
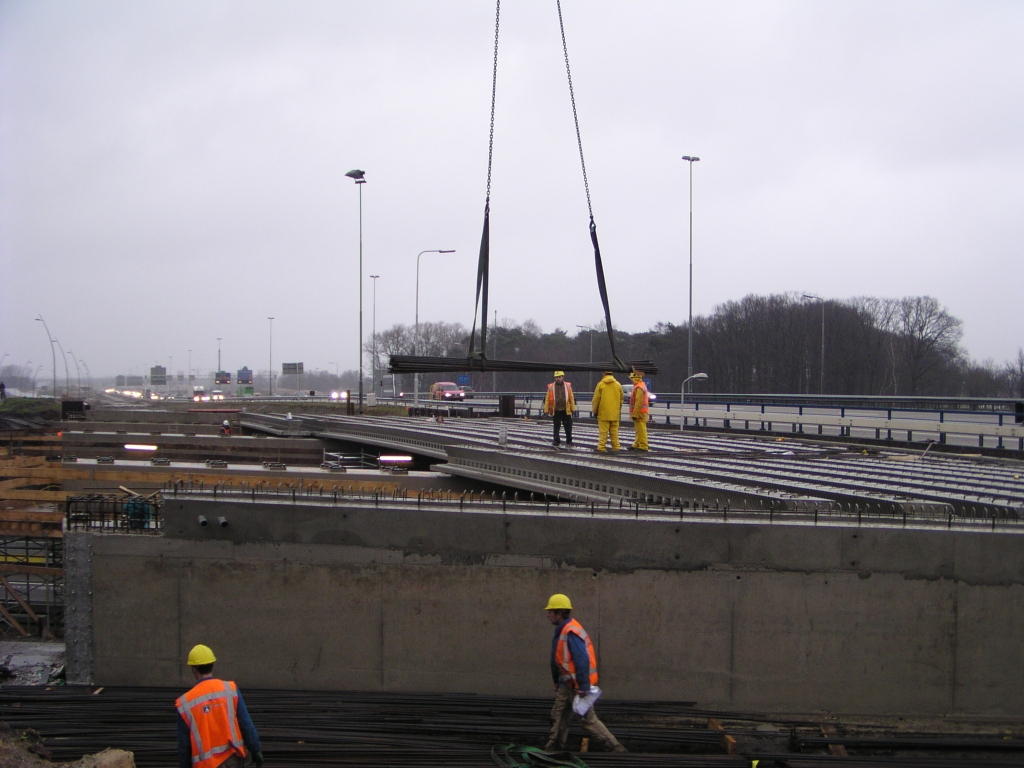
x=17, y=596
x=17, y=482
x=31, y=516
x=58, y=496
x=32, y=570
x=14, y=622
x=836, y=750
x=23, y=461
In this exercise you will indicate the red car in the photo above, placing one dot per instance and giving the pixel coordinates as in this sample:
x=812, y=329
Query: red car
x=446, y=390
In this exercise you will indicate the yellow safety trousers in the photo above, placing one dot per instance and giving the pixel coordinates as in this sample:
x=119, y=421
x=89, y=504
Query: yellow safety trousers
x=640, y=425
x=604, y=428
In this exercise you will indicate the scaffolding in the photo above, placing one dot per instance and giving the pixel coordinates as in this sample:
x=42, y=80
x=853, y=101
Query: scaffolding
x=32, y=585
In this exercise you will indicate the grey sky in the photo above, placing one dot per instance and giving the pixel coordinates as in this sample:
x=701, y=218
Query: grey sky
x=171, y=172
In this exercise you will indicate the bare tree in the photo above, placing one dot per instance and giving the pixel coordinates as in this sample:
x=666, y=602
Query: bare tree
x=930, y=337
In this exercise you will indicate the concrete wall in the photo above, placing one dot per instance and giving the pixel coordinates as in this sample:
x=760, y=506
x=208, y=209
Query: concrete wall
x=751, y=617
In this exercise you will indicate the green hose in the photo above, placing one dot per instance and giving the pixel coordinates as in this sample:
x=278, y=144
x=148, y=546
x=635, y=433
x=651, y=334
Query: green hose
x=515, y=756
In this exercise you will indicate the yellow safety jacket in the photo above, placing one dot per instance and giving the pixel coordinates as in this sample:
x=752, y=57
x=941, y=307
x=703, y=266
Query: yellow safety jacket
x=607, y=403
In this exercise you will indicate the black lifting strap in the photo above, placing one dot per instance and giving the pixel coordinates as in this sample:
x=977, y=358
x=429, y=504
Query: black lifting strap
x=484, y=264
x=601, y=286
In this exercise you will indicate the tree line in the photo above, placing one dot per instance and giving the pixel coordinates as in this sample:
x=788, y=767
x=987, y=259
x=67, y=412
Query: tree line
x=757, y=345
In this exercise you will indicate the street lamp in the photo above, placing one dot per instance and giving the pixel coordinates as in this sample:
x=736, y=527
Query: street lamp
x=682, y=397
x=78, y=372
x=821, y=377
x=218, y=354
x=416, y=337
x=357, y=177
x=590, y=374
x=373, y=363
x=52, y=354
x=271, y=372
x=67, y=376
x=689, y=343
x=88, y=375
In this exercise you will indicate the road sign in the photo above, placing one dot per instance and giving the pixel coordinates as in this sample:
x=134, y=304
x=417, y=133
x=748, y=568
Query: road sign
x=463, y=380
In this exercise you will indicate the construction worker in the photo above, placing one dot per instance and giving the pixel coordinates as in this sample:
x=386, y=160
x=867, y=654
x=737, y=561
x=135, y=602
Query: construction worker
x=607, y=409
x=559, y=403
x=574, y=671
x=225, y=428
x=214, y=727
x=639, y=406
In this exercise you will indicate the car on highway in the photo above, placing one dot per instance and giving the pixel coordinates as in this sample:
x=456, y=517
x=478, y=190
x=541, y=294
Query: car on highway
x=627, y=389
x=446, y=390
x=467, y=391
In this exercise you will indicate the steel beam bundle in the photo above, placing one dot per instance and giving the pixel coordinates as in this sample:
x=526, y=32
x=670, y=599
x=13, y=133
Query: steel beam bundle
x=412, y=364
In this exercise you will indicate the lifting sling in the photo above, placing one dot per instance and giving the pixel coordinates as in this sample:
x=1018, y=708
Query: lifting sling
x=477, y=359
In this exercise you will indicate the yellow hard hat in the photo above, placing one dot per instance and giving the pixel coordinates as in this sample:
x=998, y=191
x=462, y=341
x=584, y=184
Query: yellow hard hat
x=559, y=603
x=559, y=373
x=636, y=376
x=201, y=655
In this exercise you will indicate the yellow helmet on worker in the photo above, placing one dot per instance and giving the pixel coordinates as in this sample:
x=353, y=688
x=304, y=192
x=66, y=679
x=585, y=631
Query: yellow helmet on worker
x=559, y=373
x=201, y=655
x=636, y=376
x=559, y=602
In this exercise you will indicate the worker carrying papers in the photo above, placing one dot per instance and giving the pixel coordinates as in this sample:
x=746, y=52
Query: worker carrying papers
x=582, y=704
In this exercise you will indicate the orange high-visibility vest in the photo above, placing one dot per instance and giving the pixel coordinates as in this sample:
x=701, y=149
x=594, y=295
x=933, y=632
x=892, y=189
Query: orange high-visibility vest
x=566, y=667
x=549, y=399
x=644, y=400
x=211, y=713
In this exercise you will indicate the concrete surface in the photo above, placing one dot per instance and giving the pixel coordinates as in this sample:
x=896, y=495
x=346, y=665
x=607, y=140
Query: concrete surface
x=766, y=617
x=32, y=662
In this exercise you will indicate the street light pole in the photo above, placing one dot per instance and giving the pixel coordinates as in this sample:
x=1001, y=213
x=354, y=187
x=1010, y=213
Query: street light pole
x=271, y=372
x=357, y=177
x=682, y=398
x=67, y=376
x=78, y=372
x=373, y=363
x=88, y=375
x=53, y=354
x=416, y=337
x=689, y=327
x=590, y=374
x=218, y=354
x=821, y=375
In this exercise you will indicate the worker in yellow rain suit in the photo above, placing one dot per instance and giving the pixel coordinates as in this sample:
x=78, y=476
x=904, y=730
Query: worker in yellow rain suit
x=607, y=409
x=639, y=403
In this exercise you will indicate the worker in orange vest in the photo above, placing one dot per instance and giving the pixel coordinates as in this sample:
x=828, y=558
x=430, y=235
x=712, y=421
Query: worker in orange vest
x=639, y=407
x=559, y=403
x=214, y=727
x=574, y=671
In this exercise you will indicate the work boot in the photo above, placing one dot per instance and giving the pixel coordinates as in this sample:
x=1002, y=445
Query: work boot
x=619, y=748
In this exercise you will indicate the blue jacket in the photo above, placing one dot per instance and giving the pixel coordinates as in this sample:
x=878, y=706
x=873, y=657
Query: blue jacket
x=580, y=658
x=250, y=738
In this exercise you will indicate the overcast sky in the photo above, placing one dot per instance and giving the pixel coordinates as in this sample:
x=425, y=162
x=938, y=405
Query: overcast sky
x=173, y=172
